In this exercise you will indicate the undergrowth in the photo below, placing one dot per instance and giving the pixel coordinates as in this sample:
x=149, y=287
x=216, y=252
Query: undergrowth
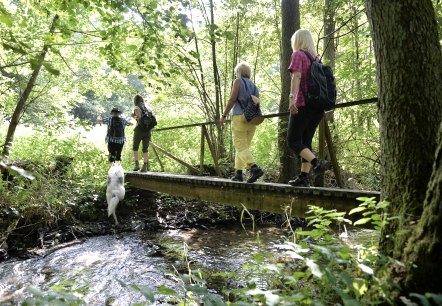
x=48, y=179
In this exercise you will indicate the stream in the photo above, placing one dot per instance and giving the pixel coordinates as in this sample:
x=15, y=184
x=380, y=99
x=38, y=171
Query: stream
x=101, y=268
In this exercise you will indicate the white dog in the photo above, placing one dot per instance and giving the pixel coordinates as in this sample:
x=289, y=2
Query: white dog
x=115, y=189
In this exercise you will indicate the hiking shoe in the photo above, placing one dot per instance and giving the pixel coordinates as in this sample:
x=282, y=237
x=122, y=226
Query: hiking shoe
x=321, y=165
x=137, y=166
x=238, y=177
x=144, y=169
x=255, y=173
x=300, y=182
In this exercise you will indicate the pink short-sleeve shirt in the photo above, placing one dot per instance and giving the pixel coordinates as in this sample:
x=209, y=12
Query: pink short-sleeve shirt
x=300, y=62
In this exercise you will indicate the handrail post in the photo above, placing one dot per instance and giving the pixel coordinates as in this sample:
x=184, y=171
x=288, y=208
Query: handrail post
x=332, y=153
x=319, y=178
x=212, y=150
x=157, y=156
x=321, y=139
x=202, y=149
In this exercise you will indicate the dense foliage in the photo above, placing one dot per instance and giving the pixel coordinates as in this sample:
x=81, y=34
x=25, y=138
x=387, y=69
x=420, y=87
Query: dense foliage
x=180, y=56
x=102, y=54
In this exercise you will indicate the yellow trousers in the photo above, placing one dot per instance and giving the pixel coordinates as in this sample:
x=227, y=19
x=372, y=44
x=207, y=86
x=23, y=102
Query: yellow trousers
x=242, y=139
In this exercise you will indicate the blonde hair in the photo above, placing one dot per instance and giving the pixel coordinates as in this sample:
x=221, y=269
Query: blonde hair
x=243, y=70
x=302, y=39
x=138, y=100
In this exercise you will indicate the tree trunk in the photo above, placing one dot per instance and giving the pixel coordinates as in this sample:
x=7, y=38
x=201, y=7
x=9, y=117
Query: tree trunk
x=21, y=104
x=329, y=53
x=408, y=55
x=289, y=24
x=424, y=248
x=328, y=57
x=217, y=83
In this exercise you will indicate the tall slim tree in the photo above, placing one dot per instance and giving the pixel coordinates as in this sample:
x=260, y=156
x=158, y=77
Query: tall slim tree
x=23, y=98
x=328, y=57
x=408, y=56
x=289, y=24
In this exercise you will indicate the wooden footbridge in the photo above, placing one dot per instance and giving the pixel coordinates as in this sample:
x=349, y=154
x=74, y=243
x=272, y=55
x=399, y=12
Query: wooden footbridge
x=263, y=196
x=269, y=197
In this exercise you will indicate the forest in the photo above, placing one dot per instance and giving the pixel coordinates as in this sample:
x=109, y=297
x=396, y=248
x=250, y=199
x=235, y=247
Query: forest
x=65, y=64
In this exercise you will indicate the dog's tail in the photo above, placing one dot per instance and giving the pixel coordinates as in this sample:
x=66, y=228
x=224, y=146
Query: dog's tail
x=112, y=205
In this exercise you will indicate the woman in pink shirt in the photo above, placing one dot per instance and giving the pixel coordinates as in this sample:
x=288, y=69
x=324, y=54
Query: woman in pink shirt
x=303, y=120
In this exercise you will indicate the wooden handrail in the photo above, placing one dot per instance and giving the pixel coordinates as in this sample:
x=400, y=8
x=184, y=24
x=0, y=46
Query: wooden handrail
x=205, y=138
x=340, y=105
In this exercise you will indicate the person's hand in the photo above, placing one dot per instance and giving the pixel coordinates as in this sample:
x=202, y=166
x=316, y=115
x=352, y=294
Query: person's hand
x=292, y=105
x=222, y=121
x=255, y=99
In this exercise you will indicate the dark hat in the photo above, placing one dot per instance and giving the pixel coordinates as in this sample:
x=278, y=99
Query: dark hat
x=116, y=110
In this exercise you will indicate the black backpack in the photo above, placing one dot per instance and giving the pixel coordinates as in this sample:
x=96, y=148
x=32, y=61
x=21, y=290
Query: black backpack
x=147, y=120
x=116, y=127
x=321, y=93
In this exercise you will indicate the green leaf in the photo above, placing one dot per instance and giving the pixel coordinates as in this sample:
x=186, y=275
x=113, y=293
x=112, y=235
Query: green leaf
x=213, y=300
x=194, y=54
x=166, y=291
x=316, y=271
x=51, y=69
x=34, y=291
x=366, y=269
x=34, y=63
x=362, y=221
x=422, y=299
x=146, y=291
x=259, y=258
x=357, y=209
x=229, y=35
x=196, y=289
x=5, y=18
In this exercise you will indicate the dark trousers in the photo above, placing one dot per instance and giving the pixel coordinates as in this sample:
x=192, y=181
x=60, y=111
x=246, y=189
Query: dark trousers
x=141, y=135
x=302, y=128
x=114, y=151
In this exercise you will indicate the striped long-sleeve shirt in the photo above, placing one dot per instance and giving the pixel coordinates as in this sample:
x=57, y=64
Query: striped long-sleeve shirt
x=107, y=120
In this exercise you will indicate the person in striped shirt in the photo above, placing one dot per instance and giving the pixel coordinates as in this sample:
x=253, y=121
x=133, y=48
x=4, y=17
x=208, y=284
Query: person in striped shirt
x=115, y=136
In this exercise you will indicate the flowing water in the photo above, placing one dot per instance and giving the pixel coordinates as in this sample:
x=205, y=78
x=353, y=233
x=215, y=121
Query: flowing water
x=100, y=267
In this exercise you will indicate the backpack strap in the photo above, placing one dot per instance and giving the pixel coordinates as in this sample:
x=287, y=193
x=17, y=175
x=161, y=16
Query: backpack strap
x=145, y=110
x=109, y=126
x=309, y=55
x=306, y=52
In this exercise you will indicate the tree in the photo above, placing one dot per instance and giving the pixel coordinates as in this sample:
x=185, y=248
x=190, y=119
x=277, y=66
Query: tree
x=289, y=24
x=122, y=44
x=424, y=248
x=408, y=56
x=20, y=107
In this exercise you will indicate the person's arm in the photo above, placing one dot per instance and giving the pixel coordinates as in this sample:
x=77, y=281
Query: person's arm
x=126, y=122
x=232, y=100
x=105, y=120
x=137, y=113
x=294, y=88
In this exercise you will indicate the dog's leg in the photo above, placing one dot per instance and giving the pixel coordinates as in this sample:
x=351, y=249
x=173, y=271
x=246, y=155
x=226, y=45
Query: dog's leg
x=115, y=218
x=112, y=206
